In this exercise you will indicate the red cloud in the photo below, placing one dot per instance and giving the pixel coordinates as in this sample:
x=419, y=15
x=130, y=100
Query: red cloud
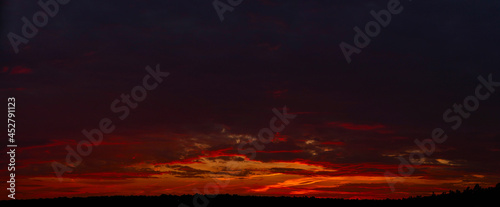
x=206, y=154
x=13, y=89
x=280, y=138
x=333, y=143
x=114, y=175
x=281, y=151
x=361, y=127
x=277, y=93
x=19, y=70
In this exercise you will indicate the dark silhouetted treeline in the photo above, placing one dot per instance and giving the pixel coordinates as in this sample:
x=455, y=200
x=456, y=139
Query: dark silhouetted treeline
x=471, y=197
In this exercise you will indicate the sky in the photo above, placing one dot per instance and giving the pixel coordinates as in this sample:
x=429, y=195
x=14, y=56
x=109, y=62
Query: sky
x=228, y=80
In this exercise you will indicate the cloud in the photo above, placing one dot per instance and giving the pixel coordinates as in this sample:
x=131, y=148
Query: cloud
x=361, y=127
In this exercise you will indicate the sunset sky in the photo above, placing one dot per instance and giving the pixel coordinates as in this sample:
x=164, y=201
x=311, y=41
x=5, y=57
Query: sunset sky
x=352, y=121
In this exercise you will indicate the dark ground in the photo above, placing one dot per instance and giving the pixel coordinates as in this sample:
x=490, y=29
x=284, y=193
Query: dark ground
x=476, y=196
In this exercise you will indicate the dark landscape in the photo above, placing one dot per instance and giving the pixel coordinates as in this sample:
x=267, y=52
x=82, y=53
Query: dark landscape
x=475, y=196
